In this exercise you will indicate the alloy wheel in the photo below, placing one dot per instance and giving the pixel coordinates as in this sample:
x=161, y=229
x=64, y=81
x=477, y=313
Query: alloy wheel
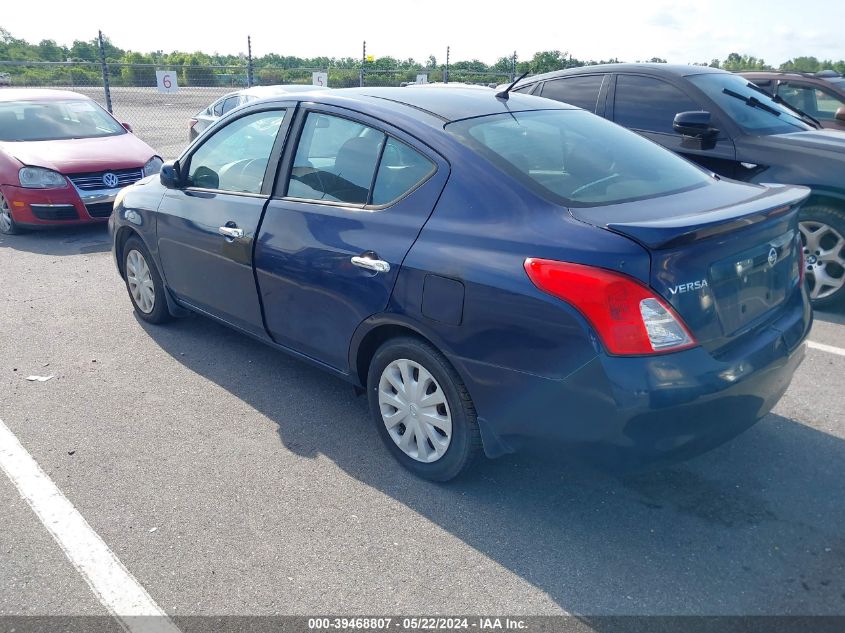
x=824, y=258
x=415, y=411
x=141, y=285
x=6, y=222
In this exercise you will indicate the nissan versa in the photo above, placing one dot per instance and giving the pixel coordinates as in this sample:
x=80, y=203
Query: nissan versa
x=490, y=268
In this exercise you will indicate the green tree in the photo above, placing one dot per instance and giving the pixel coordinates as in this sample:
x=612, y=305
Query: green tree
x=547, y=61
x=736, y=62
x=137, y=74
x=802, y=64
x=49, y=51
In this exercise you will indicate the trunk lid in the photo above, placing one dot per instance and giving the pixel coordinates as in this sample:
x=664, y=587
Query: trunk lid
x=726, y=266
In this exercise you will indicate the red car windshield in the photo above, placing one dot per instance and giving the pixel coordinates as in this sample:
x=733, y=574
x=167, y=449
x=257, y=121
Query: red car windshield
x=55, y=120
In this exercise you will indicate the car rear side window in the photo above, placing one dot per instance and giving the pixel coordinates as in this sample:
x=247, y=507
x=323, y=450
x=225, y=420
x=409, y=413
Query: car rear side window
x=235, y=157
x=649, y=104
x=582, y=92
x=577, y=158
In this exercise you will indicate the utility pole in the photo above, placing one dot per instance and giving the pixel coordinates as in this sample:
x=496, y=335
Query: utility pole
x=446, y=72
x=105, y=66
x=363, y=61
x=249, y=72
x=513, y=67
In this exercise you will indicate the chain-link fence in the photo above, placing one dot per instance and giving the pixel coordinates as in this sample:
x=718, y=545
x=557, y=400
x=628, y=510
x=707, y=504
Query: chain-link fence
x=162, y=119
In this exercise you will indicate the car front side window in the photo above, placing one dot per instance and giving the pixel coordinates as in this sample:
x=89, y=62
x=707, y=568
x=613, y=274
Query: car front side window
x=235, y=157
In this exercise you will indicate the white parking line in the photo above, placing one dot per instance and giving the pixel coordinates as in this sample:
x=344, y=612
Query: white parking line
x=110, y=581
x=830, y=349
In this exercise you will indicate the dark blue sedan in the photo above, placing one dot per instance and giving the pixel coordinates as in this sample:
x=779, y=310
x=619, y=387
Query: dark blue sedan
x=490, y=269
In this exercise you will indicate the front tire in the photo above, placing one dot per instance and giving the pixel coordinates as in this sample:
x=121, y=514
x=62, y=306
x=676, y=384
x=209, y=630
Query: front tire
x=146, y=290
x=823, y=239
x=422, y=409
x=8, y=226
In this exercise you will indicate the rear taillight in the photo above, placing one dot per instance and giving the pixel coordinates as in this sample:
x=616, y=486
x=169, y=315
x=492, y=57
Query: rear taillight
x=628, y=316
x=192, y=122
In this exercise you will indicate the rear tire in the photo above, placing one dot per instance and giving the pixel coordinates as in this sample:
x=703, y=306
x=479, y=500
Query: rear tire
x=432, y=430
x=823, y=239
x=8, y=226
x=144, y=284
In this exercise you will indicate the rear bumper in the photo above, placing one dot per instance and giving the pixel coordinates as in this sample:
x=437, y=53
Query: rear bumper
x=51, y=207
x=644, y=409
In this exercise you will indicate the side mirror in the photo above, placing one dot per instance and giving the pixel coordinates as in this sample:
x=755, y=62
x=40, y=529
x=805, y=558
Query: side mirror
x=840, y=114
x=127, y=127
x=169, y=175
x=694, y=124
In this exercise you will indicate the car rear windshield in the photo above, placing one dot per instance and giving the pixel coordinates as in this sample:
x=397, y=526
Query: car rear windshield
x=753, y=110
x=578, y=158
x=55, y=120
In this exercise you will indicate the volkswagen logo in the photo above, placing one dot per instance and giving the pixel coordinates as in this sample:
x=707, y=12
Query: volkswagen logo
x=773, y=256
x=110, y=180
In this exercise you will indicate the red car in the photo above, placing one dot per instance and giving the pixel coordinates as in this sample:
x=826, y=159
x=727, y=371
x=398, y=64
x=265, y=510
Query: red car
x=63, y=159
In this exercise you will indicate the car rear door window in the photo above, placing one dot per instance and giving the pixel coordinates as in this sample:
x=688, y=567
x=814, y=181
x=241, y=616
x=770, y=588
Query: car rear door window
x=335, y=160
x=235, y=157
x=582, y=92
x=401, y=169
x=340, y=160
x=649, y=104
x=230, y=104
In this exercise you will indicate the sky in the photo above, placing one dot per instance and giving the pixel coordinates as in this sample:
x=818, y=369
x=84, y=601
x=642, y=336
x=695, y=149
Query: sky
x=681, y=32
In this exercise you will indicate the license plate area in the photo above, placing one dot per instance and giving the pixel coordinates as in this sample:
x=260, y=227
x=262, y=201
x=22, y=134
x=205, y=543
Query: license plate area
x=750, y=283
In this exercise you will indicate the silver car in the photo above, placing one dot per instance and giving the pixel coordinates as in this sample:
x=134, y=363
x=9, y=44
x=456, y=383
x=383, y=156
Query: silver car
x=232, y=100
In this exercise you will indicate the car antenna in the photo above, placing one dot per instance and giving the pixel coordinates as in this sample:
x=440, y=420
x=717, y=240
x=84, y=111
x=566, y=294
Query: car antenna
x=504, y=93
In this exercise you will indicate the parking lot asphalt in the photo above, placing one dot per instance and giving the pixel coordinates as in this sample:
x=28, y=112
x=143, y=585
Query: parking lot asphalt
x=231, y=479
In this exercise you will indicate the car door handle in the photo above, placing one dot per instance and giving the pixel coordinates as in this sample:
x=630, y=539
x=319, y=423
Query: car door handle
x=230, y=231
x=377, y=265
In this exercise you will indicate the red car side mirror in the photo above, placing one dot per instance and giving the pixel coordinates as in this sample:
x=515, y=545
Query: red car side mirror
x=127, y=127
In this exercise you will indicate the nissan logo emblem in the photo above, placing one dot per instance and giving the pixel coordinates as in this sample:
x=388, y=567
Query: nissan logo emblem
x=773, y=256
x=110, y=180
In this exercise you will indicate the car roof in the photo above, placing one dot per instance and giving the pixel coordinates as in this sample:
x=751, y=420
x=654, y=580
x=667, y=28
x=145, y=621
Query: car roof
x=38, y=94
x=791, y=73
x=823, y=78
x=444, y=105
x=451, y=84
x=678, y=70
x=269, y=91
